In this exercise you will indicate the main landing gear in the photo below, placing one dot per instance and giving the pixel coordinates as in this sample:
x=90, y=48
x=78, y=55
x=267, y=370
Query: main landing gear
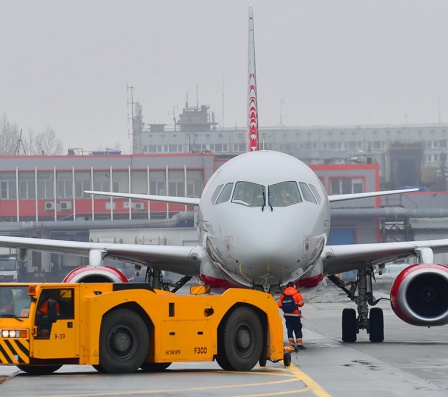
x=361, y=293
x=155, y=279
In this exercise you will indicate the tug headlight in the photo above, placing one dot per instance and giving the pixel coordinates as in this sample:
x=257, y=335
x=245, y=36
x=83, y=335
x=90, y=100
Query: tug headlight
x=13, y=333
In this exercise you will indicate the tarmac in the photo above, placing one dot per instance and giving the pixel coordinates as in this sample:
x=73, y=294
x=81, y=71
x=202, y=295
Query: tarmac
x=412, y=361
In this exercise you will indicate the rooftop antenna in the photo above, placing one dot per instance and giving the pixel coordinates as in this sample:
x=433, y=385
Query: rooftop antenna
x=282, y=102
x=20, y=145
x=438, y=111
x=130, y=103
x=197, y=97
x=222, y=99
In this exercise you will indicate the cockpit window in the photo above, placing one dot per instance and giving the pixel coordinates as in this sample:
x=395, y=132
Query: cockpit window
x=248, y=194
x=316, y=193
x=307, y=194
x=225, y=194
x=284, y=194
x=215, y=194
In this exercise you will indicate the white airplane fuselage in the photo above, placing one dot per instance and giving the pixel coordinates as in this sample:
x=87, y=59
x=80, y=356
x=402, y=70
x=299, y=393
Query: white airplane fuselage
x=264, y=242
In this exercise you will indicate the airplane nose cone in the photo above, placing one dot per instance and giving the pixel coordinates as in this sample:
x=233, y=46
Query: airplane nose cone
x=267, y=249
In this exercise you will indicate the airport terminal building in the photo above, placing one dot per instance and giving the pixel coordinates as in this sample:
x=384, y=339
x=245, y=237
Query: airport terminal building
x=408, y=155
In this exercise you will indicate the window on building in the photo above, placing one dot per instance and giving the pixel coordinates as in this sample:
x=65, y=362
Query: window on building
x=346, y=185
x=239, y=147
x=8, y=186
x=45, y=182
x=139, y=182
x=195, y=183
x=27, y=187
x=64, y=185
x=120, y=181
x=176, y=183
x=82, y=183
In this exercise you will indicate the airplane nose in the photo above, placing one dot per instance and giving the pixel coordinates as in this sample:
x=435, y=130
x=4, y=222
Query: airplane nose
x=268, y=249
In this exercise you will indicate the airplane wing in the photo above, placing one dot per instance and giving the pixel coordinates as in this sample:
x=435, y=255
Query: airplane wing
x=342, y=258
x=342, y=197
x=179, y=259
x=150, y=197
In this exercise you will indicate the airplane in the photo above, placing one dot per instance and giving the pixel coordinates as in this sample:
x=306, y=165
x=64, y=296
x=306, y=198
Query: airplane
x=263, y=221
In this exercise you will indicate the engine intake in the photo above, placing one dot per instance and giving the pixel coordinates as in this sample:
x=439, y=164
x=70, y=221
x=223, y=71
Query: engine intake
x=95, y=274
x=419, y=295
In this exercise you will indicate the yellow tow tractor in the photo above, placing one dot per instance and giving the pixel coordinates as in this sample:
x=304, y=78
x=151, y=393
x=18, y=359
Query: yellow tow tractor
x=119, y=328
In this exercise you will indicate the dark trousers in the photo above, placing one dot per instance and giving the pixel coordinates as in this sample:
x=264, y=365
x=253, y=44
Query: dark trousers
x=293, y=325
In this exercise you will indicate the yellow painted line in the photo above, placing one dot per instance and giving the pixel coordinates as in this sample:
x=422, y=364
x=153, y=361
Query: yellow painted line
x=152, y=391
x=312, y=384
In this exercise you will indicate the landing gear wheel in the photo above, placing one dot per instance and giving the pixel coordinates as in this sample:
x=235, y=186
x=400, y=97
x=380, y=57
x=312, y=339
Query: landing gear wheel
x=154, y=367
x=124, y=341
x=376, y=333
x=286, y=359
x=240, y=340
x=39, y=369
x=349, y=326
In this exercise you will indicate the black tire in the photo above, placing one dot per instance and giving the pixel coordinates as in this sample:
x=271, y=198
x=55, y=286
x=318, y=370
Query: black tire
x=154, y=367
x=240, y=341
x=349, y=325
x=124, y=341
x=376, y=333
x=286, y=359
x=39, y=369
x=262, y=361
x=100, y=369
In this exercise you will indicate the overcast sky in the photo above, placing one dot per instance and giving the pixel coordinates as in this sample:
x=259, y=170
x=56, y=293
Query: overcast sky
x=66, y=63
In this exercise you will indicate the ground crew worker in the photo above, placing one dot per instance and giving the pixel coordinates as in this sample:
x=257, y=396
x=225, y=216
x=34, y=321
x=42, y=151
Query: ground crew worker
x=43, y=309
x=290, y=301
x=6, y=305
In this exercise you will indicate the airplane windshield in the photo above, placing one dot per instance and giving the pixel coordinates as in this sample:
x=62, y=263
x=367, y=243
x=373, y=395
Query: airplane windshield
x=248, y=194
x=284, y=194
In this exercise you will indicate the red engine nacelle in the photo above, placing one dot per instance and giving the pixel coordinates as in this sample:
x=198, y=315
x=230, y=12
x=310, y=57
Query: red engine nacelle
x=419, y=295
x=95, y=274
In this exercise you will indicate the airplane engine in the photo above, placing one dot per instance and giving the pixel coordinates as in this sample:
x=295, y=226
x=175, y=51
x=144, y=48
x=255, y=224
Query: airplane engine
x=419, y=295
x=95, y=274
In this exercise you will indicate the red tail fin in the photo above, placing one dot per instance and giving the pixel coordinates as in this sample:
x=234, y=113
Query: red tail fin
x=252, y=105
